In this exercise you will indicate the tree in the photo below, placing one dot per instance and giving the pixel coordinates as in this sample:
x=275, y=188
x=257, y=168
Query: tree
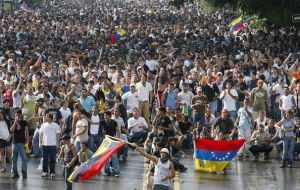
x=277, y=12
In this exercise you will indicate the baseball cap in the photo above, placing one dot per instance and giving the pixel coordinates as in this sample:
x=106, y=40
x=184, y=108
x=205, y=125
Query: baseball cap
x=260, y=82
x=165, y=150
x=132, y=84
x=219, y=73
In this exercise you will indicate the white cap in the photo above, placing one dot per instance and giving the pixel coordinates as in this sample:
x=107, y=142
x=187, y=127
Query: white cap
x=165, y=150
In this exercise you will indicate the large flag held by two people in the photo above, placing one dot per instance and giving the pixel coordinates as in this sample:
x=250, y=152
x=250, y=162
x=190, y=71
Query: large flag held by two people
x=215, y=155
x=93, y=166
x=237, y=24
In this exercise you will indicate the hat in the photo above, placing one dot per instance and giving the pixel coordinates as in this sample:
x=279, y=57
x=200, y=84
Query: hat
x=260, y=82
x=94, y=71
x=199, y=89
x=132, y=84
x=219, y=73
x=165, y=150
x=65, y=137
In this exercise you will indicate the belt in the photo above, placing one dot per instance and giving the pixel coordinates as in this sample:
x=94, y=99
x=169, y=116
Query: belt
x=145, y=100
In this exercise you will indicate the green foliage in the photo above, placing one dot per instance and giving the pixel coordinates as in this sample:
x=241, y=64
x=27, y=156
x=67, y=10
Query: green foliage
x=277, y=12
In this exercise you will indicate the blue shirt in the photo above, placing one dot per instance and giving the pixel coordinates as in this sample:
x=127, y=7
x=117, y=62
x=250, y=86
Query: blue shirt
x=171, y=100
x=87, y=103
x=245, y=119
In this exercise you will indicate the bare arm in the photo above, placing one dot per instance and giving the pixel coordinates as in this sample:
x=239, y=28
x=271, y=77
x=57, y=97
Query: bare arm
x=145, y=154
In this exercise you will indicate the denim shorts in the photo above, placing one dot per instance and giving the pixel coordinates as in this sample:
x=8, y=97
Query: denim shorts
x=3, y=143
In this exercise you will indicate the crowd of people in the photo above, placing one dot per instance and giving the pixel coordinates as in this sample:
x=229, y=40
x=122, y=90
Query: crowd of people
x=74, y=71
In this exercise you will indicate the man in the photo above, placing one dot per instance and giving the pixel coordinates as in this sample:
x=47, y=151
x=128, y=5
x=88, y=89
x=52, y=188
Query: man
x=49, y=141
x=224, y=125
x=20, y=138
x=131, y=99
x=259, y=99
x=185, y=127
x=287, y=101
x=69, y=155
x=164, y=170
x=244, y=126
x=137, y=127
x=199, y=103
x=81, y=131
x=95, y=137
x=261, y=141
x=185, y=98
x=111, y=128
x=145, y=96
x=211, y=91
x=229, y=97
x=169, y=97
x=86, y=101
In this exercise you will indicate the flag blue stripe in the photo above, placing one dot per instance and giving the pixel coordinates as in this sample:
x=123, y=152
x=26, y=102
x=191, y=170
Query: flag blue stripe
x=215, y=155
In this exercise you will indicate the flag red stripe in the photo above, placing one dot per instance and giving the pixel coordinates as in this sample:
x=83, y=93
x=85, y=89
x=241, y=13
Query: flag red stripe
x=216, y=145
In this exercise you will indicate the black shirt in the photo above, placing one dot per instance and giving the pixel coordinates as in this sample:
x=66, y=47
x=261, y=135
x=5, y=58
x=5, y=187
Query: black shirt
x=165, y=122
x=184, y=126
x=241, y=86
x=19, y=133
x=225, y=125
x=110, y=128
x=56, y=114
x=210, y=91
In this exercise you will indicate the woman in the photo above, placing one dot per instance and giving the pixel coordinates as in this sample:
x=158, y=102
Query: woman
x=4, y=139
x=160, y=84
x=287, y=127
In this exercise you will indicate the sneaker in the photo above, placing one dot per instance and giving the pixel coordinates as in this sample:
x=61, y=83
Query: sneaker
x=290, y=166
x=282, y=166
x=3, y=170
x=14, y=176
x=44, y=174
x=52, y=175
x=255, y=158
x=24, y=176
x=117, y=175
x=266, y=158
x=106, y=174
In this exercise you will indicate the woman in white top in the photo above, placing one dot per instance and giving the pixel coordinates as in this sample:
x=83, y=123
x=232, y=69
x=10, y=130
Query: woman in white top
x=81, y=132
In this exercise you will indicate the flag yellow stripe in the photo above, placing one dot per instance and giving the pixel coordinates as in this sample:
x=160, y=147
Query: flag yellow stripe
x=210, y=166
x=236, y=21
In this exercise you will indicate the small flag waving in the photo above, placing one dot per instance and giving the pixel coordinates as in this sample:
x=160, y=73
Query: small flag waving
x=237, y=24
x=215, y=155
x=26, y=8
x=93, y=166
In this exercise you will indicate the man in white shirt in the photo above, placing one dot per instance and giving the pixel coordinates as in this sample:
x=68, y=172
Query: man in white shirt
x=185, y=98
x=131, y=99
x=137, y=127
x=49, y=141
x=81, y=132
x=145, y=96
x=95, y=138
x=287, y=101
x=229, y=97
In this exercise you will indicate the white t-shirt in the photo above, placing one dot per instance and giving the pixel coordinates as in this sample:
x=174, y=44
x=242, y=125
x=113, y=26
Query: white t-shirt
x=4, y=133
x=287, y=103
x=151, y=64
x=49, y=131
x=185, y=97
x=79, y=125
x=277, y=88
x=229, y=102
x=132, y=100
x=135, y=124
x=94, y=129
x=143, y=91
x=65, y=113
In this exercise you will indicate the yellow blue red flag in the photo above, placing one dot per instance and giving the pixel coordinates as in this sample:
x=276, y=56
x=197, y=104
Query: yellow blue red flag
x=215, y=155
x=237, y=24
x=93, y=166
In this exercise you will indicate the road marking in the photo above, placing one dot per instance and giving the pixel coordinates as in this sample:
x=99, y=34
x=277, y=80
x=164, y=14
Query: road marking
x=146, y=169
x=176, y=181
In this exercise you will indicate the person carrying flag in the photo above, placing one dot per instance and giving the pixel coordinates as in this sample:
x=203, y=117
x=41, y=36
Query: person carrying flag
x=164, y=168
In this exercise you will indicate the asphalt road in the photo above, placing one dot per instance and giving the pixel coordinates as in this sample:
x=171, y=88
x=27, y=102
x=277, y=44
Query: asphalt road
x=244, y=174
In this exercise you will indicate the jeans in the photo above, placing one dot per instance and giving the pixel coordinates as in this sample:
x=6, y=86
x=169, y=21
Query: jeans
x=139, y=136
x=197, y=118
x=213, y=106
x=49, y=153
x=35, y=143
x=94, y=142
x=67, y=172
x=256, y=149
x=288, y=148
x=244, y=133
x=115, y=165
x=160, y=187
x=123, y=151
x=18, y=148
x=186, y=143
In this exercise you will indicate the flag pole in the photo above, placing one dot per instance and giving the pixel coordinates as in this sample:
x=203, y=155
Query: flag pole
x=117, y=139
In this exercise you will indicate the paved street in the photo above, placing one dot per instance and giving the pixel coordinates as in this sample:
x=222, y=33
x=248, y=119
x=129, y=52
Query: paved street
x=240, y=175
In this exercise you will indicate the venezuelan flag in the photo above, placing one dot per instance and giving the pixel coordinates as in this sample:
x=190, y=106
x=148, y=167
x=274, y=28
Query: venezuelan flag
x=93, y=166
x=121, y=31
x=215, y=155
x=237, y=24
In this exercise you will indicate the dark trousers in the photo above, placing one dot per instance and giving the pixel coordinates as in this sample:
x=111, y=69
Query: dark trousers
x=256, y=149
x=139, y=136
x=49, y=154
x=67, y=173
